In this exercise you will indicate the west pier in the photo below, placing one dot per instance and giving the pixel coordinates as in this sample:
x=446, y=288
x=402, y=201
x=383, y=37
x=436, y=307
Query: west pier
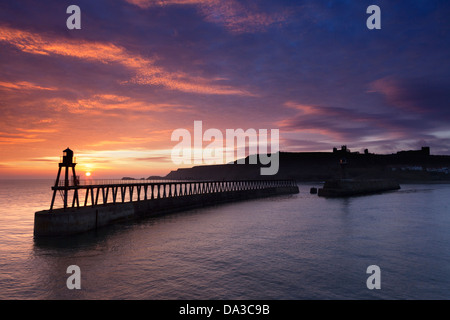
x=353, y=187
x=107, y=202
x=346, y=187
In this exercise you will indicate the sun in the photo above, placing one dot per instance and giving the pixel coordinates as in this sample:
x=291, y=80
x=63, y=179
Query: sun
x=88, y=174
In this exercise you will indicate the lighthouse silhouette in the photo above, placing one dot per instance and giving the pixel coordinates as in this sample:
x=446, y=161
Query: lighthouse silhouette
x=66, y=162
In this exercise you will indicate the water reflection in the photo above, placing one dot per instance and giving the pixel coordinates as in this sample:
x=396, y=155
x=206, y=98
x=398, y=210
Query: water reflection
x=292, y=247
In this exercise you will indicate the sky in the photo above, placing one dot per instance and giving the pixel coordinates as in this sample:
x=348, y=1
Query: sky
x=115, y=90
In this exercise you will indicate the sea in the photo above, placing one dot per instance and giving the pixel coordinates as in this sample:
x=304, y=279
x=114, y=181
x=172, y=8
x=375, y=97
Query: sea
x=289, y=247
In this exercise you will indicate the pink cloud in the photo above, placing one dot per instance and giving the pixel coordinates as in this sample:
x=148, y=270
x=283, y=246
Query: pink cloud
x=97, y=104
x=147, y=72
x=23, y=85
x=236, y=17
x=13, y=138
x=396, y=94
x=340, y=124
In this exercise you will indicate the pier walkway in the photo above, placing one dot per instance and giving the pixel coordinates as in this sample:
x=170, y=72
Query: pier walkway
x=101, y=192
x=108, y=201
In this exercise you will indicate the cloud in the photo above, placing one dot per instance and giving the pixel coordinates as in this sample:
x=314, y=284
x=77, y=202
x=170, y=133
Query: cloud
x=342, y=124
x=124, y=156
x=34, y=43
x=406, y=125
x=154, y=158
x=426, y=97
x=115, y=104
x=144, y=4
x=45, y=159
x=233, y=15
x=304, y=145
x=239, y=18
x=14, y=138
x=128, y=141
x=185, y=83
x=139, y=69
x=42, y=130
x=24, y=85
x=146, y=70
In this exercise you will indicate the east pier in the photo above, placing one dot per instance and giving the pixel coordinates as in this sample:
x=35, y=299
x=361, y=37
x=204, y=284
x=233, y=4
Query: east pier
x=107, y=202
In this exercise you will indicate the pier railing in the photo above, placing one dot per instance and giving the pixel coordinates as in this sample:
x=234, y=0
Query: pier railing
x=95, y=182
x=101, y=192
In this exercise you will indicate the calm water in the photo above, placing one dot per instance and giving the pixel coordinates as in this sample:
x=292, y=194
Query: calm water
x=287, y=247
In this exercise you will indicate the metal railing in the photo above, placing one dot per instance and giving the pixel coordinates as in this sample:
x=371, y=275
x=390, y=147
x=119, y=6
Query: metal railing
x=119, y=191
x=99, y=182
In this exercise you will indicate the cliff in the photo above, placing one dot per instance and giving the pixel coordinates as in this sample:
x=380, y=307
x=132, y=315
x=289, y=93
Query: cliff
x=403, y=166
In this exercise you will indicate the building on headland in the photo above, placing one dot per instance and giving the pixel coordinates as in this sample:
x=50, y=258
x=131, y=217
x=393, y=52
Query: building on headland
x=344, y=150
x=425, y=151
x=321, y=166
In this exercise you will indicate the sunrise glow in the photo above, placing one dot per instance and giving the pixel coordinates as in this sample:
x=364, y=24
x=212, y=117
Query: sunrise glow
x=116, y=89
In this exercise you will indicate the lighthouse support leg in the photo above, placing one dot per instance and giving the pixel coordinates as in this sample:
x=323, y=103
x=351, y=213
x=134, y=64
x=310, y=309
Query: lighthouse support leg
x=54, y=191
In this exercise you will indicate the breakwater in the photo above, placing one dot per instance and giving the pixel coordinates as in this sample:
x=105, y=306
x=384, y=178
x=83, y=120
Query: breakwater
x=105, y=204
x=350, y=187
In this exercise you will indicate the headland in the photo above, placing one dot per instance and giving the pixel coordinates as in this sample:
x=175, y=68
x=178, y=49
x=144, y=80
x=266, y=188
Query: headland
x=410, y=166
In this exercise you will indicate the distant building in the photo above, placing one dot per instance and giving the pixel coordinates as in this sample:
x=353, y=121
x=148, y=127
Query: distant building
x=343, y=150
x=425, y=151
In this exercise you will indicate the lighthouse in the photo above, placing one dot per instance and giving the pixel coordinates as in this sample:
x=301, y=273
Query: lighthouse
x=67, y=161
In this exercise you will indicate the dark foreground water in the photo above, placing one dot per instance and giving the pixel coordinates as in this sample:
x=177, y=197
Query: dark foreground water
x=286, y=247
